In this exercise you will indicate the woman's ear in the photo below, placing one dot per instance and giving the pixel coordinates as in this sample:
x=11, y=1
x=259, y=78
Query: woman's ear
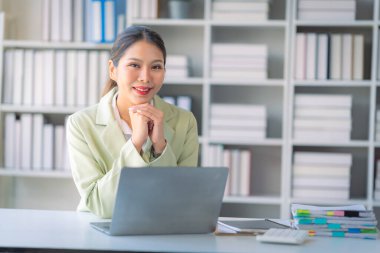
x=112, y=70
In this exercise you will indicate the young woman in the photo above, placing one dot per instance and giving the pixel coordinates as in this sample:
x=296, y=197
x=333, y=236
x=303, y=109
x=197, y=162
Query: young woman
x=130, y=126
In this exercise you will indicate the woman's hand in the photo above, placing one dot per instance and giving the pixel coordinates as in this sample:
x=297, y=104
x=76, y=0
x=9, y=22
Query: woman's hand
x=146, y=120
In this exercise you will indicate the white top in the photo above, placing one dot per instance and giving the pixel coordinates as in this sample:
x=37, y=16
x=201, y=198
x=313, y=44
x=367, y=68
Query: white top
x=36, y=229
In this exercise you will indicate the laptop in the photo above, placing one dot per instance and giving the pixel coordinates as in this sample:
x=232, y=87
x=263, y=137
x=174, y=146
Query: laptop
x=167, y=200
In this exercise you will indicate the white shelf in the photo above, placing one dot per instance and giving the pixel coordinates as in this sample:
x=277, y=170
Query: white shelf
x=268, y=23
x=355, y=23
x=39, y=109
x=54, y=45
x=37, y=174
x=265, y=82
x=252, y=200
x=236, y=141
x=376, y=203
x=189, y=80
x=350, y=144
x=169, y=22
x=338, y=83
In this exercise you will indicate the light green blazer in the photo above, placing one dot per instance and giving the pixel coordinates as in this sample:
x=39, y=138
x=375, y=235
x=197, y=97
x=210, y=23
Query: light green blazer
x=98, y=150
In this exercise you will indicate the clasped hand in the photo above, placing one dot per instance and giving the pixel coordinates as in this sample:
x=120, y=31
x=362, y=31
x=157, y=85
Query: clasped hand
x=147, y=121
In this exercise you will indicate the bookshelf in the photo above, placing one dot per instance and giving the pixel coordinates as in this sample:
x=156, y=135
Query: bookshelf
x=272, y=157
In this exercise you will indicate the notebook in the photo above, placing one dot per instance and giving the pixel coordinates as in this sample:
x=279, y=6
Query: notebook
x=167, y=200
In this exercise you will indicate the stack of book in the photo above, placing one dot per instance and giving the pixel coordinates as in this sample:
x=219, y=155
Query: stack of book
x=336, y=10
x=239, y=163
x=321, y=175
x=377, y=181
x=377, y=137
x=33, y=144
x=322, y=118
x=145, y=9
x=177, y=66
x=231, y=10
x=239, y=61
x=325, y=56
x=83, y=20
x=182, y=101
x=353, y=221
x=238, y=121
x=54, y=77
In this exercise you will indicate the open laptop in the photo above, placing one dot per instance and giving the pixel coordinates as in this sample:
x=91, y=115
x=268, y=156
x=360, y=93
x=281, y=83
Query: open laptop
x=167, y=200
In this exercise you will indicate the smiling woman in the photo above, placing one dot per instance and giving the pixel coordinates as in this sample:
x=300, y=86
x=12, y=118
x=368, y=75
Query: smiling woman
x=130, y=126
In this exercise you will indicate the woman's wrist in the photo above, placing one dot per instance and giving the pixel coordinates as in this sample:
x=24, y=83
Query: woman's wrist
x=158, y=148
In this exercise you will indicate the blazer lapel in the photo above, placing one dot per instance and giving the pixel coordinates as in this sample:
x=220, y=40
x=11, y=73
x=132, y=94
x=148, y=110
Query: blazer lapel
x=112, y=136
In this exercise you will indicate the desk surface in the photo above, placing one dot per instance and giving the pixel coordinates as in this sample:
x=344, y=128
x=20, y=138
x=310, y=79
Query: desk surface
x=70, y=230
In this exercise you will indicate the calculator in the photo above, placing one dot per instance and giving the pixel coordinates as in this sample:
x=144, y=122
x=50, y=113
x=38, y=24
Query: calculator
x=287, y=236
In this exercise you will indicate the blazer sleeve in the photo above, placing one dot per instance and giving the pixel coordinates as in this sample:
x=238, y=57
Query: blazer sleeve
x=96, y=185
x=189, y=146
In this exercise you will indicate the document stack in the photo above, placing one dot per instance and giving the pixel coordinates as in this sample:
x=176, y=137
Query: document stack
x=182, y=101
x=325, y=56
x=239, y=163
x=239, y=61
x=238, y=121
x=337, y=10
x=377, y=137
x=33, y=144
x=353, y=221
x=231, y=10
x=322, y=118
x=321, y=175
x=377, y=181
x=177, y=66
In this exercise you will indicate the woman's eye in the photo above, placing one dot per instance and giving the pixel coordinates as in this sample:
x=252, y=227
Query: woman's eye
x=157, y=67
x=133, y=65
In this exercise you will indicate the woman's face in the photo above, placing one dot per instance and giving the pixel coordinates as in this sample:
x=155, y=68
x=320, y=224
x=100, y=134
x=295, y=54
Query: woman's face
x=140, y=73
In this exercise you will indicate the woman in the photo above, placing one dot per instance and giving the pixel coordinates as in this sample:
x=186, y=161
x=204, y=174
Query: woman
x=130, y=126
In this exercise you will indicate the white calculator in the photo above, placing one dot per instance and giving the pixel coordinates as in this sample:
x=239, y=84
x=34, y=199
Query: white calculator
x=288, y=236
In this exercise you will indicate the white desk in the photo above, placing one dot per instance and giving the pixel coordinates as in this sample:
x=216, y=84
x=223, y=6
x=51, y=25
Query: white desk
x=66, y=230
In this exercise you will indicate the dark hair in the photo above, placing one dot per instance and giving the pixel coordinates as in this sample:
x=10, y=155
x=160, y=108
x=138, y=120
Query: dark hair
x=126, y=39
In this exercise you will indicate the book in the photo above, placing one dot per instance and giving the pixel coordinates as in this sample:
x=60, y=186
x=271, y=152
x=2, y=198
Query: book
x=325, y=124
x=322, y=56
x=321, y=181
x=305, y=112
x=347, y=57
x=48, y=77
x=326, y=158
x=93, y=77
x=322, y=135
x=245, y=110
x=10, y=141
x=26, y=141
x=60, y=78
x=349, y=5
x=48, y=147
x=336, y=57
x=358, y=57
x=316, y=170
x=326, y=15
x=8, y=77
x=323, y=100
x=18, y=77
x=82, y=79
x=300, y=58
x=27, y=83
x=321, y=193
x=38, y=128
x=256, y=50
x=311, y=56
x=56, y=26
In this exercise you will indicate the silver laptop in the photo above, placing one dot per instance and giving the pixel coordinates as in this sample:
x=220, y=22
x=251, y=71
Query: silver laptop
x=163, y=200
